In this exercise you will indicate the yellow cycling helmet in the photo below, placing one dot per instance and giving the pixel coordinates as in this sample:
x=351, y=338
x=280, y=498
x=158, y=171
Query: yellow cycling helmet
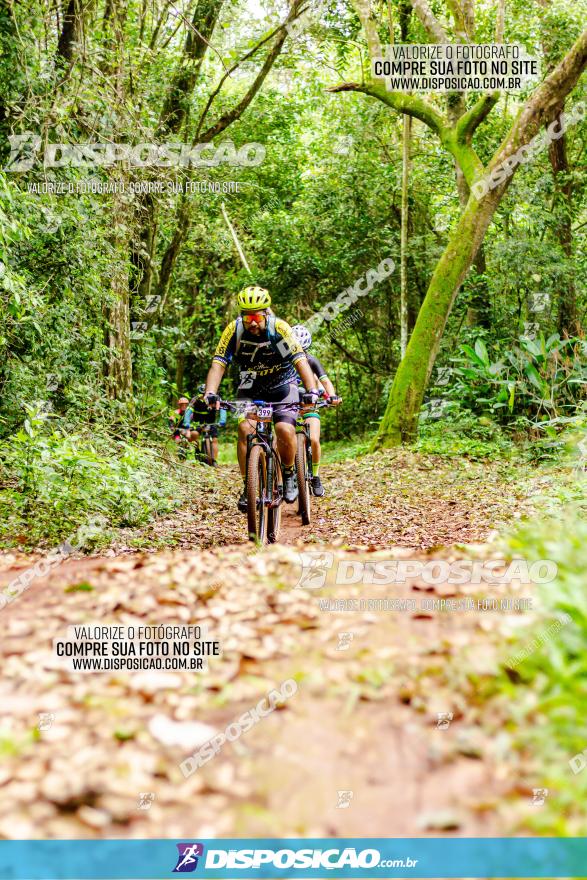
x=253, y=299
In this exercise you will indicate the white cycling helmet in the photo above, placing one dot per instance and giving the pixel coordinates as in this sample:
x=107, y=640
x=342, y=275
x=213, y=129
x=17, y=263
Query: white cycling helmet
x=303, y=335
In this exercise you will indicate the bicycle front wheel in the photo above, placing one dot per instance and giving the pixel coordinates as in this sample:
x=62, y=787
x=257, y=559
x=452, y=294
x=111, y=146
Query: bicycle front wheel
x=304, y=495
x=256, y=508
x=207, y=451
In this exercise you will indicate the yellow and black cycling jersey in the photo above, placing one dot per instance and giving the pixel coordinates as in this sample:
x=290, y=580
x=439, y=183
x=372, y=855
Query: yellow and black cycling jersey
x=266, y=362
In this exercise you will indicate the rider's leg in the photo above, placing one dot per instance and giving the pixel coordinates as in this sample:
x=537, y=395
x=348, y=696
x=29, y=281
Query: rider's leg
x=286, y=443
x=314, y=423
x=315, y=438
x=244, y=429
x=285, y=431
x=215, y=448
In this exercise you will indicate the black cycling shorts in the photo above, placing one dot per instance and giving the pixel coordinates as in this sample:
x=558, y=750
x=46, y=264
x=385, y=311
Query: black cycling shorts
x=283, y=394
x=212, y=430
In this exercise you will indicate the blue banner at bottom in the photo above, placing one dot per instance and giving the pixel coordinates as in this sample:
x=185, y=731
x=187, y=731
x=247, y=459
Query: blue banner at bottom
x=408, y=857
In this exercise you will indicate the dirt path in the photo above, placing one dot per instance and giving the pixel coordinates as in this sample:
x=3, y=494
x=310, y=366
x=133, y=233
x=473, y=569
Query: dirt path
x=364, y=719
x=392, y=498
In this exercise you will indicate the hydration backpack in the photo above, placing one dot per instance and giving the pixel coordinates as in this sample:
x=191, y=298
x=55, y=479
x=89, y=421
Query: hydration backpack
x=271, y=332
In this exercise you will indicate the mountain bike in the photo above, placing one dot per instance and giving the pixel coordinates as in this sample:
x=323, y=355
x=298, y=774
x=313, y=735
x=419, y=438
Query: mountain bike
x=205, y=452
x=303, y=464
x=183, y=446
x=264, y=472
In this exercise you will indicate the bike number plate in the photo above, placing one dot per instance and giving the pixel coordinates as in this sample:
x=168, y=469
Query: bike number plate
x=264, y=412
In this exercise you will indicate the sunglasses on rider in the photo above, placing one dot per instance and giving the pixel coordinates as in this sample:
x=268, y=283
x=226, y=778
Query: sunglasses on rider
x=254, y=318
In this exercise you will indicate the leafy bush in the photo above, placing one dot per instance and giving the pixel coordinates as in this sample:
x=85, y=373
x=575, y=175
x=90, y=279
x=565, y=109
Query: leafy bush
x=446, y=429
x=538, y=380
x=53, y=481
x=547, y=689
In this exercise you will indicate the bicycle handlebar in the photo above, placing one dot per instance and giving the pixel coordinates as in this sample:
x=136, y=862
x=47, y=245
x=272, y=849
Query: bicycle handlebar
x=235, y=407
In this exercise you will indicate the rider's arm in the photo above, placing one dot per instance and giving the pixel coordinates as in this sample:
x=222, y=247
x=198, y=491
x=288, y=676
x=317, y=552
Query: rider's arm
x=214, y=377
x=305, y=373
x=222, y=357
x=328, y=386
x=320, y=373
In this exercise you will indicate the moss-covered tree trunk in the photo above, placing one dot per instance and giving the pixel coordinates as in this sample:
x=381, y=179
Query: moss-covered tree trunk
x=399, y=424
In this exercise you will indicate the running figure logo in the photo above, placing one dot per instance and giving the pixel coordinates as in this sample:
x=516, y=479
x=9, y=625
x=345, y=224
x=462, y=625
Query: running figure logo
x=315, y=565
x=187, y=860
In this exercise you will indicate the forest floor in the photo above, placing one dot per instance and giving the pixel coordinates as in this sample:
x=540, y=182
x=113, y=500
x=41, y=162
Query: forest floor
x=359, y=750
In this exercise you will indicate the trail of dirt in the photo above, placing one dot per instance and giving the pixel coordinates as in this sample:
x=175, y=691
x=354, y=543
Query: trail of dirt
x=393, y=498
x=357, y=751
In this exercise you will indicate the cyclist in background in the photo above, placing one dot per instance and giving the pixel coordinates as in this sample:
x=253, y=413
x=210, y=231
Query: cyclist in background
x=269, y=360
x=179, y=420
x=304, y=337
x=203, y=415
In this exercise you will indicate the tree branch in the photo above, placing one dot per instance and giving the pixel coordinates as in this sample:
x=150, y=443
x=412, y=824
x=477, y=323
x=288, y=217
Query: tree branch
x=231, y=70
x=432, y=26
x=351, y=357
x=542, y=103
x=412, y=105
x=472, y=119
x=227, y=118
x=365, y=13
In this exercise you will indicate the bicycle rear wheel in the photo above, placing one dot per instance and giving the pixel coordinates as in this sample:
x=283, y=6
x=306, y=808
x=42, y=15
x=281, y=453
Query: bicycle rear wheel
x=256, y=508
x=274, y=513
x=304, y=495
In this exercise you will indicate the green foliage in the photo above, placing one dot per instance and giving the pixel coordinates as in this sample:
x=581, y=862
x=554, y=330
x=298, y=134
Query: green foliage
x=538, y=379
x=54, y=481
x=459, y=432
x=548, y=688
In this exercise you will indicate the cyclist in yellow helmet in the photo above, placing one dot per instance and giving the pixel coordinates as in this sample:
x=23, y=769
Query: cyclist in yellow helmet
x=269, y=359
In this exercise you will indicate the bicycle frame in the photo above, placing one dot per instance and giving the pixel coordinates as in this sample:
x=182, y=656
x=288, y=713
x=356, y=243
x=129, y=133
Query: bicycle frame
x=303, y=427
x=263, y=436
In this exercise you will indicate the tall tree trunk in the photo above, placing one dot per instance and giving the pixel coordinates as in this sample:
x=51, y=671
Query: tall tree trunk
x=568, y=318
x=399, y=424
x=174, y=113
x=119, y=379
x=119, y=370
x=479, y=311
x=179, y=371
x=69, y=31
x=406, y=145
